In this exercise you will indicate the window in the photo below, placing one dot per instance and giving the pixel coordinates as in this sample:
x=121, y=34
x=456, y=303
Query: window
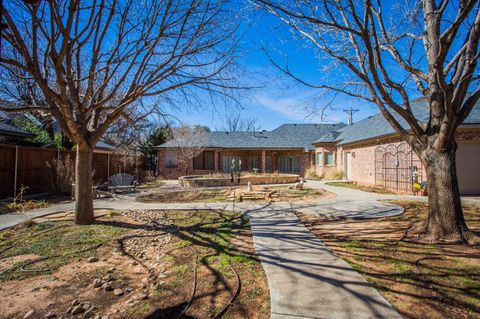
x=328, y=159
x=268, y=164
x=229, y=161
x=204, y=161
x=318, y=159
x=208, y=160
x=289, y=164
x=171, y=160
x=253, y=162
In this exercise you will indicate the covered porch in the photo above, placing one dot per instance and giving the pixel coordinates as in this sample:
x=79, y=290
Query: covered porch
x=261, y=161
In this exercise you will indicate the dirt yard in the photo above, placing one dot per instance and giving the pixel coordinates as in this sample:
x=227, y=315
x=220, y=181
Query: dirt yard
x=137, y=264
x=420, y=279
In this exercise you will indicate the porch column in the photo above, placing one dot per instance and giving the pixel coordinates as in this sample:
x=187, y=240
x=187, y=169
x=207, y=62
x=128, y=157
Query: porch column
x=215, y=161
x=264, y=161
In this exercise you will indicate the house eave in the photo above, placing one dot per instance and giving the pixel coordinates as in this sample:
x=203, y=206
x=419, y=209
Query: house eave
x=465, y=126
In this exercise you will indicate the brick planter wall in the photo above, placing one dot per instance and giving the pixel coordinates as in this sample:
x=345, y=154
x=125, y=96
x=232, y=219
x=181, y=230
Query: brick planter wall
x=203, y=181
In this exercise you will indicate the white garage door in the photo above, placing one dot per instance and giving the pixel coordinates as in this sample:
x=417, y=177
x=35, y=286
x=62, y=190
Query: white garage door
x=468, y=168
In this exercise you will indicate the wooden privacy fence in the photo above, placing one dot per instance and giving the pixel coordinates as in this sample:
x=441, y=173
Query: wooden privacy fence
x=26, y=166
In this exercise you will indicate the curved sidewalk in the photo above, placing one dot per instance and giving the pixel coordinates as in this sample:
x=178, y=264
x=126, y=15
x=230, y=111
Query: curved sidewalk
x=306, y=279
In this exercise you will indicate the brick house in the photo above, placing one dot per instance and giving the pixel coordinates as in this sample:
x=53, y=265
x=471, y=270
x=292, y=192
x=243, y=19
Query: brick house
x=371, y=152
x=286, y=149
x=368, y=152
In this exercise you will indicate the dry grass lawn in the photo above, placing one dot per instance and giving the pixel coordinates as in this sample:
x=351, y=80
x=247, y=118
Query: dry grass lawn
x=421, y=279
x=137, y=264
x=282, y=193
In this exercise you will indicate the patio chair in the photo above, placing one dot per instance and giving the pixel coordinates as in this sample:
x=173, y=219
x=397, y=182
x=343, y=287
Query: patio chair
x=122, y=182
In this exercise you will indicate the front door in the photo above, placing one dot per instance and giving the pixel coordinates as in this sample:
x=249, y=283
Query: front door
x=348, y=166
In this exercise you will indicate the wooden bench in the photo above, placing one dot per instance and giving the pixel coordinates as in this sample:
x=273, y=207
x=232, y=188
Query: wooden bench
x=122, y=182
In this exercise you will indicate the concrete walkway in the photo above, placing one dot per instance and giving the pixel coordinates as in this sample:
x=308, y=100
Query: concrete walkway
x=306, y=279
x=348, y=203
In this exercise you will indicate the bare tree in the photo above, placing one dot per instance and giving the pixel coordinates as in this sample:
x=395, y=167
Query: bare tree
x=92, y=59
x=236, y=123
x=387, y=56
x=187, y=143
x=16, y=87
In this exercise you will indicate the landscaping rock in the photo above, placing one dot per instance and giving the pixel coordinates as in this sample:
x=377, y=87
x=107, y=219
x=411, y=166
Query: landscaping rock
x=142, y=296
x=108, y=277
x=152, y=277
x=118, y=292
x=88, y=314
x=97, y=283
x=75, y=302
x=87, y=306
x=77, y=310
x=29, y=314
x=92, y=259
x=129, y=289
x=107, y=286
x=50, y=315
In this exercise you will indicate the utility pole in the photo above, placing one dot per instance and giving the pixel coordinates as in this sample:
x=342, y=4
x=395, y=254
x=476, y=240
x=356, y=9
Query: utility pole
x=350, y=113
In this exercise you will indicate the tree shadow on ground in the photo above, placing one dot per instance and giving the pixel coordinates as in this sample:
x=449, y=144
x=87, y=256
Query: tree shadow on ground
x=422, y=279
x=209, y=233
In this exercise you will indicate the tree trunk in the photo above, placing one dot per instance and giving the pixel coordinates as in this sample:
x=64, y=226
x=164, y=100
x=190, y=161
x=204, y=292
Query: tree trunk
x=445, y=219
x=83, y=186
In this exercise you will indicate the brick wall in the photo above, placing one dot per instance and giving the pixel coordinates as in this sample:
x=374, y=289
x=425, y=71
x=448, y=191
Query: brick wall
x=364, y=163
x=305, y=162
x=321, y=149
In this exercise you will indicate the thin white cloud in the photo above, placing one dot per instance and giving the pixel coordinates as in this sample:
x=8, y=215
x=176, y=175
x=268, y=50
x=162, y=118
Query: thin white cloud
x=305, y=107
x=287, y=106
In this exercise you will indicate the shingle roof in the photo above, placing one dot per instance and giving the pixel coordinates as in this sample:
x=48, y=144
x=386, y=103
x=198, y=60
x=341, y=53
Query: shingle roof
x=286, y=136
x=10, y=130
x=377, y=125
x=329, y=137
x=104, y=145
x=296, y=136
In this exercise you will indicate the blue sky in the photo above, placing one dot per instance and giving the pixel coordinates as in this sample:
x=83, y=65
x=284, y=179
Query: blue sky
x=279, y=100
